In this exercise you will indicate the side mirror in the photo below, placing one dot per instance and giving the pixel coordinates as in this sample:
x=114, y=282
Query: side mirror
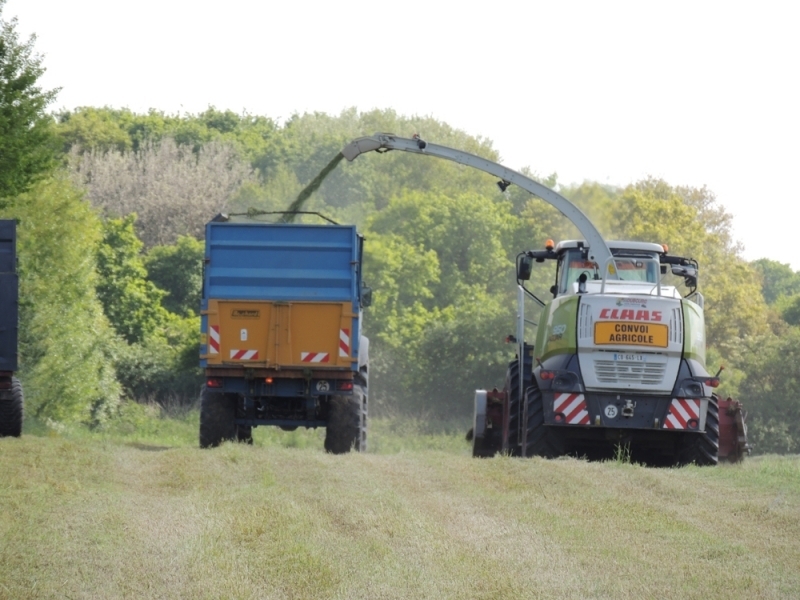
x=688, y=273
x=366, y=296
x=524, y=267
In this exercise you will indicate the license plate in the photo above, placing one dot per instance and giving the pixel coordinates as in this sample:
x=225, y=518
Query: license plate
x=631, y=357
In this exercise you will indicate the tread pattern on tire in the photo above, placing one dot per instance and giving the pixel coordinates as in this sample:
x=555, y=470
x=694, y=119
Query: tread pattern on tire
x=514, y=408
x=346, y=427
x=217, y=416
x=538, y=439
x=12, y=409
x=702, y=449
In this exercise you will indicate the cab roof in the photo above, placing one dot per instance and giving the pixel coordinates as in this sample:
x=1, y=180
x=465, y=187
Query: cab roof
x=613, y=245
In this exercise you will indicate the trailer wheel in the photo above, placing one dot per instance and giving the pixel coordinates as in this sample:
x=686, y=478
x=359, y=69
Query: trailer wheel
x=217, y=418
x=12, y=410
x=537, y=438
x=702, y=449
x=513, y=446
x=360, y=396
x=244, y=434
x=343, y=431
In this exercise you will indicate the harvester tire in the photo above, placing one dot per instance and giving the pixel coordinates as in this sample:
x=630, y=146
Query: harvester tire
x=702, y=449
x=538, y=439
x=514, y=409
x=12, y=410
x=217, y=418
x=343, y=431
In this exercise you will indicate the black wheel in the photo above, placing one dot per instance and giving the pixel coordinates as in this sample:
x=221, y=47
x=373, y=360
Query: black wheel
x=12, y=410
x=217, y=416
x=244, y=434
x=702, y=449
x=360, y=396
x=537, y=438
x=514, y=409
x=343, y=433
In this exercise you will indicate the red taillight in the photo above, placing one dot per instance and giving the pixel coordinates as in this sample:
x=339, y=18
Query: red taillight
x=693, y=423
x=268, y=380
x=214, y=382
x=345, y=386
x=712, y=382
x=547, y=374
x=559, y=417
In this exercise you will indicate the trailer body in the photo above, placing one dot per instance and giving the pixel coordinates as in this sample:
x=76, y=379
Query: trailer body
x=281, y=324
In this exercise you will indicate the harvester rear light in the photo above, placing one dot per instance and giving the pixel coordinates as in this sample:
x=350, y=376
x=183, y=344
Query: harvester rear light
x=712, y=382
x=214, y=382
x=546, y=375
x=345, y=386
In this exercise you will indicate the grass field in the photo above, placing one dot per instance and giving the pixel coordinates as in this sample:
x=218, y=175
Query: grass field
x=142, y=513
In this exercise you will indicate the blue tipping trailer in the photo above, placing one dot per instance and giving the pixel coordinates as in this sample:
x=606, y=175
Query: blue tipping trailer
x=281, y=331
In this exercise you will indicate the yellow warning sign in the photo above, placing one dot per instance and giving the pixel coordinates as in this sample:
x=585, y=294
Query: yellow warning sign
x=631, y=333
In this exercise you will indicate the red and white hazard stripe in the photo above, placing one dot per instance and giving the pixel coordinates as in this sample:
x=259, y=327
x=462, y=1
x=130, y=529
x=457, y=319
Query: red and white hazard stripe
x=213, y=339
x=344, y=343
x=244, y=354
x=314, y=357
x=681, y=411
x=573, y=407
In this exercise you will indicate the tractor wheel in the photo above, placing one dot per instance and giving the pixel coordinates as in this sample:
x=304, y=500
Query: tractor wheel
x=11, y=410
x=702, y=449
x=537, y=438
x=343, y=432
x=514, y=408
x=217, y=416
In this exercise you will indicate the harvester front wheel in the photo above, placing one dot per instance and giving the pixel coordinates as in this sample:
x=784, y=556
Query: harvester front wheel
x=702, y=449
x=11, y=410
x=537, y=438
x=217, y=418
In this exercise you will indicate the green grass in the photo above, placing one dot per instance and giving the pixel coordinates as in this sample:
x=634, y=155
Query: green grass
x=145, y=514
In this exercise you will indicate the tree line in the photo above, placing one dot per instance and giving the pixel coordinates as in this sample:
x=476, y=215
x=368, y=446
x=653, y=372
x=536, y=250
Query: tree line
x=111, y=206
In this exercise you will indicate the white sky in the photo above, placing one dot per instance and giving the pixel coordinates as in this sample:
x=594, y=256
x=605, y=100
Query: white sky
x=699, y=93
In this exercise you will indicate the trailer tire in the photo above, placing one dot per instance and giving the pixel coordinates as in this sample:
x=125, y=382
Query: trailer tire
x=342, y=433
x=513, y=443
x=12, y=410
x=244, y=434
x=360, y=396
x=537, y=438
x=217, y=418
x=702, y=449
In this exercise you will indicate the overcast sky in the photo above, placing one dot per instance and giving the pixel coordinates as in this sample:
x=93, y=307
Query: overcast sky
x=698, y=93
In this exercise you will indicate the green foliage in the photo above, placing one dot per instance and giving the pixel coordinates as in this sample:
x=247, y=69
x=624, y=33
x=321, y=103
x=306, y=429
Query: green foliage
x=130, y=301
x=443, y=307
x=27, y=144
x=66, y=344
x=778, y=279
x=178, y=271
x=770, y=392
